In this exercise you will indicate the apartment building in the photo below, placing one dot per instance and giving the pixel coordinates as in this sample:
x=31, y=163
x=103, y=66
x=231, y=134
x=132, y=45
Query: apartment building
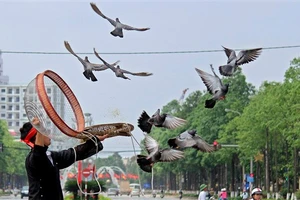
x=12, y=108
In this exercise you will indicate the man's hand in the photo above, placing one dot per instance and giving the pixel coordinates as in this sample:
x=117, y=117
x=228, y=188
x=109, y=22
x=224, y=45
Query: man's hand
x=102, y=137
x=35, y=121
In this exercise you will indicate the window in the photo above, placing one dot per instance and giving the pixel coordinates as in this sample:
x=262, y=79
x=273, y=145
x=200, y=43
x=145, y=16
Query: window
x=3, y=115
x=17, y=116
x=24, y=115
x=3, y=107
x=17, y=123
x=9, y=116
x=9, y=91
x=17, y=99
x=48, y=90
x=2, y=98
x=17, y=107
x=24, y=90
x=10, y=107
x=17, y=91
x=10, y=124
x=2, y=90
x=10, y=99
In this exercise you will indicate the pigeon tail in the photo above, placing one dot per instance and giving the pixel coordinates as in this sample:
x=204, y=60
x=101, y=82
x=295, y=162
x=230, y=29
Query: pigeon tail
x=117, y=32
x=93, y=77
x=210, y=103
x=85, y=73
x=89, y=76
x=226, y=70
x=143, y=123
x=144, y=164
x=172, y=143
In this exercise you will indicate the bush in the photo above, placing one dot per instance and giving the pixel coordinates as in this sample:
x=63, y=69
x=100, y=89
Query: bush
x=297, y=194
x=71, y=186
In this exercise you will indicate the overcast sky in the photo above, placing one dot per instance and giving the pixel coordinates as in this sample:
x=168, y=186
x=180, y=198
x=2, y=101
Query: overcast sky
x=175, y=26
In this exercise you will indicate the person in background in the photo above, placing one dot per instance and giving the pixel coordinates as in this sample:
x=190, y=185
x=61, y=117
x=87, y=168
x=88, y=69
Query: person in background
x=180, y=194
x=245, y=195
x=223, y=194
x=203, y=192
x=43, y=166
x=256, y=194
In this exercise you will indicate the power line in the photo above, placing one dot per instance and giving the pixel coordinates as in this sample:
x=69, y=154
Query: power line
x=143, y=52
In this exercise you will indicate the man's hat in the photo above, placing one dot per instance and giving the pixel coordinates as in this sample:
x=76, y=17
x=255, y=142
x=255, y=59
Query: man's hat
x=202, y=187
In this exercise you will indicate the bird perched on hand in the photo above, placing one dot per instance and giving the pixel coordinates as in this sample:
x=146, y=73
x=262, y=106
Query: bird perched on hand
x=118, y=31
x=145, y=122
x=156, y=154
x=120, y=72
x=214, y=85
x=191, y=139
x=87, y=66
x=244, y=56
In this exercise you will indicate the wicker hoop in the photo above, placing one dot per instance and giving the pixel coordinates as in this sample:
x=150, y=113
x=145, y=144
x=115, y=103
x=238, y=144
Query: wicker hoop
x=52, y=114
x=113, y=130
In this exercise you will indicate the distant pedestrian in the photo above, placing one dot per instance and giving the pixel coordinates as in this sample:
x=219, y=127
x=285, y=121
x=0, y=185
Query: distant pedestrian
x=203, y=193
x=180, y=194
x=245, y=195
x=223, y=194
x=256, y=194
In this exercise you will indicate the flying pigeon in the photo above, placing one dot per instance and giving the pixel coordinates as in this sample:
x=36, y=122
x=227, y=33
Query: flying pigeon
x=244, y=56
x=156, y=154
x=145, y=122
x=120, y=72
x=118, y=31
x=214, y=86
x=191, y=139
x=88, y=67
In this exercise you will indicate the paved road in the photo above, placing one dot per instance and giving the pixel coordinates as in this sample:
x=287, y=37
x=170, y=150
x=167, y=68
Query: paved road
x=147, y=197
x=11, y=197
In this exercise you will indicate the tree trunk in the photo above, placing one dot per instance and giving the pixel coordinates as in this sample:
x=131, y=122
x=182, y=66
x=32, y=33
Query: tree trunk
x=267, y=180
x=276, y=168
x=295, y=169
x=232, y=173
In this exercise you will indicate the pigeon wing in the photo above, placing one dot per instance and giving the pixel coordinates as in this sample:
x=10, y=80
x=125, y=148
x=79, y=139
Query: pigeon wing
x=168, y=155
x=143, y=123
x=212, y=83
x=96, y=9
x=130, y=28
x=105, y=63
x=181, y=143
x=136, y=74
x=101, y=67
x=247, y=56
x=172, y=122
x=83, y=62
x=151, y=146
x=230, y=54
x=202, y=145
x=68, y=47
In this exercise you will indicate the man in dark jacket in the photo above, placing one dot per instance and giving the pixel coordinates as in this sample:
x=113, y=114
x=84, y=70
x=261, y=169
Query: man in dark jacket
x=43, y=166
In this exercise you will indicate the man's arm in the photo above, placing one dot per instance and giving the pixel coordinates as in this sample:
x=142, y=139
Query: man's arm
x=67, y=157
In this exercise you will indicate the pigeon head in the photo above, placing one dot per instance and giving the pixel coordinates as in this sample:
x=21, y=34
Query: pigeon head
x=172, y=143
x=117, y=19
x=226, y=86
x=151, y=120
x=86, y=59
x=192, y=132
